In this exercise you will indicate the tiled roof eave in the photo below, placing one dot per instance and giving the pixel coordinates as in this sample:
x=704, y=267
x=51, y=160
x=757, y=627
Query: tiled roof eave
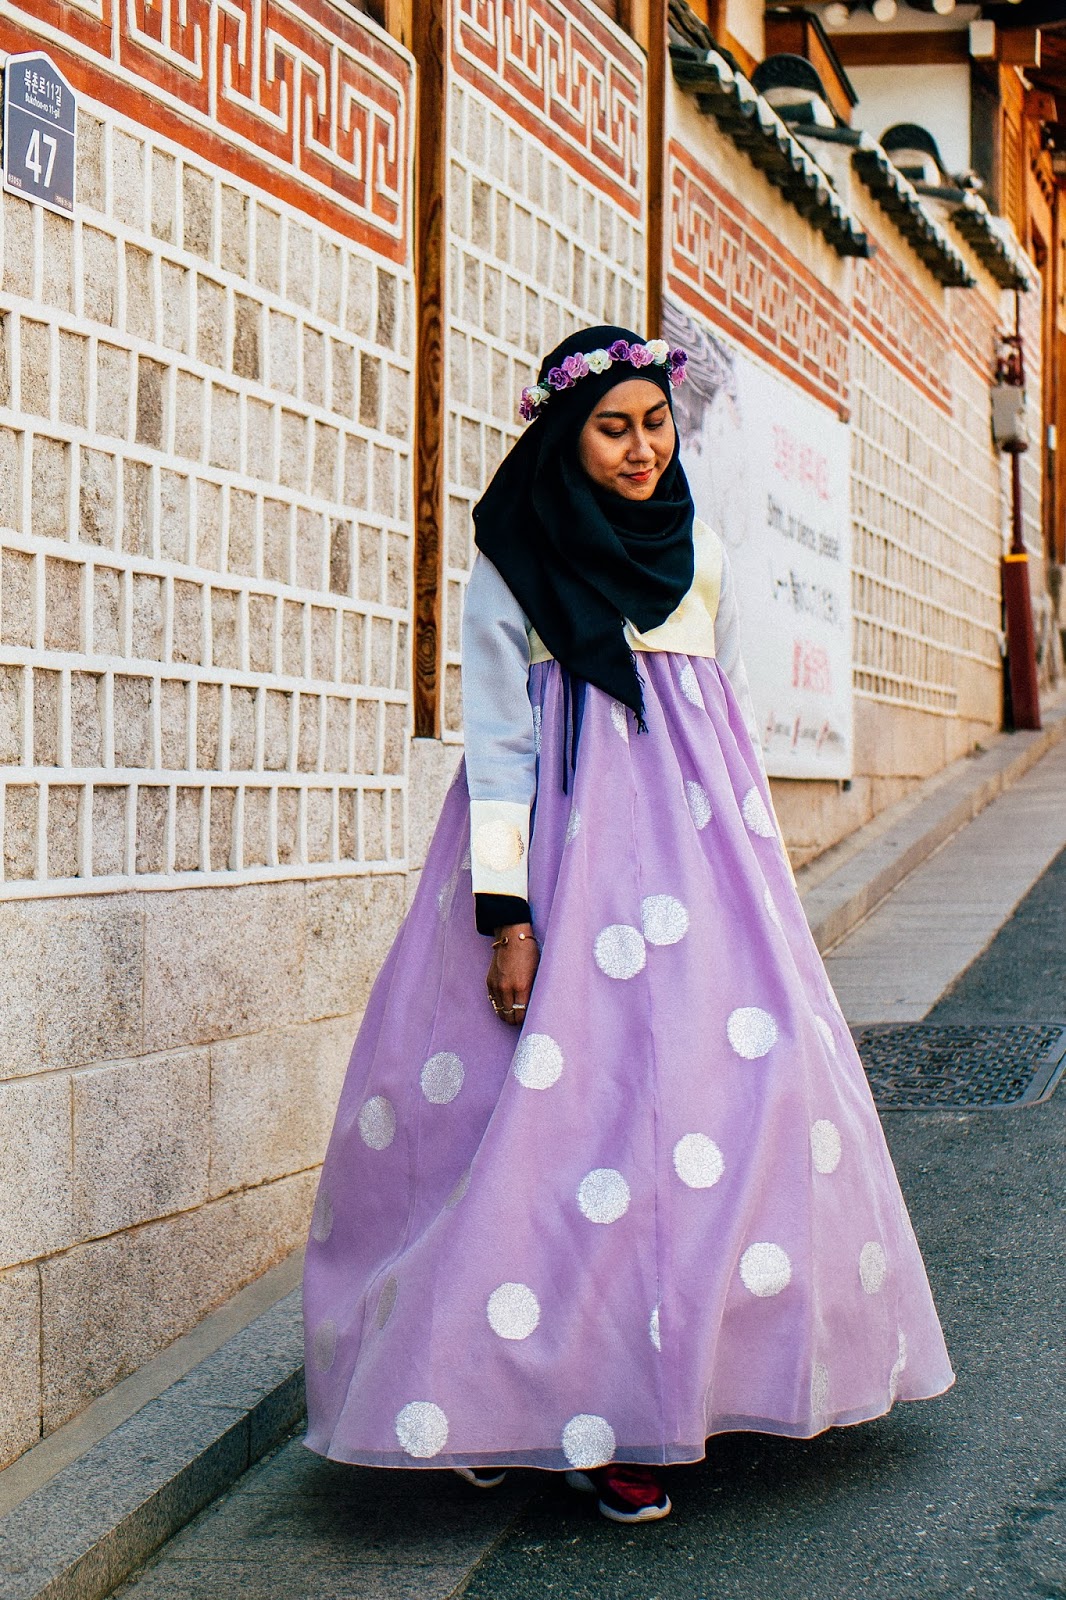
x=751, y=123
x=970, y=216
x=897, y=196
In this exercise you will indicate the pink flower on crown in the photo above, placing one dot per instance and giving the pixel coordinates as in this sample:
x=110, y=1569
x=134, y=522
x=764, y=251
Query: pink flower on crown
x=527, y=406
x=576, y=367
x=640, y=356
x=677, y=376
x=619, y=351
x=560, y=379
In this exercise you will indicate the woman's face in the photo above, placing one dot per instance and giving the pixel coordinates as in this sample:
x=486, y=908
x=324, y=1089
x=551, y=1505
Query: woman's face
x=628, y=441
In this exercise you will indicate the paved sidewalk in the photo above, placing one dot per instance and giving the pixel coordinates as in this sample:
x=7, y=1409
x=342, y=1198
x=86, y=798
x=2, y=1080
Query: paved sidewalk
x=898, y=962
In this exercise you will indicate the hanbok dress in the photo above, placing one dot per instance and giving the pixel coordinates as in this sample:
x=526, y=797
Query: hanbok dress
x=664, y=1208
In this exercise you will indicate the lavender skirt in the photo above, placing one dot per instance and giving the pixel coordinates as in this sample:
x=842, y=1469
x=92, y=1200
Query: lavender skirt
x=663, y=1210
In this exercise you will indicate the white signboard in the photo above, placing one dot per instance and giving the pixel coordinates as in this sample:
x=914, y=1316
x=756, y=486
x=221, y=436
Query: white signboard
x=769, y=472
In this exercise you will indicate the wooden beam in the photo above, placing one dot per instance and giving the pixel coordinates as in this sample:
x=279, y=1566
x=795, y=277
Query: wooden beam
x=646, y=22
x=1018, y=47
x=399, y=21
x=429, y=46
x=902, y=49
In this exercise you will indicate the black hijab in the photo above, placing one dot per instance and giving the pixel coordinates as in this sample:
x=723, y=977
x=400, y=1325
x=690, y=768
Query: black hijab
x=578, y=559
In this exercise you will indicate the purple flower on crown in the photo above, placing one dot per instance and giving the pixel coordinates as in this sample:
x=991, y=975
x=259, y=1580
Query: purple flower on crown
x=619, y=351
x=527, y=406
x=640, y=356
x=676, y=358
x=576, y=367
x=560, y=379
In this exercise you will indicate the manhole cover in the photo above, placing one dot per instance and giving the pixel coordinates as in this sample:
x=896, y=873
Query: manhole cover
x=923, y=1067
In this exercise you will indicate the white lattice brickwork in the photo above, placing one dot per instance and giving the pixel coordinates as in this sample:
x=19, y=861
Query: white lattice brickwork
x=205, y=520
x=533, y=251
x=926, y=509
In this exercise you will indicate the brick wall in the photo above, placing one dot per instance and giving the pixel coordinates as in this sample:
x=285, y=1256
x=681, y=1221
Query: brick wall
x=205, y=557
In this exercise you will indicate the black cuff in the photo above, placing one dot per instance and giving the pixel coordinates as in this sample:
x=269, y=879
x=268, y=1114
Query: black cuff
x=492, y=911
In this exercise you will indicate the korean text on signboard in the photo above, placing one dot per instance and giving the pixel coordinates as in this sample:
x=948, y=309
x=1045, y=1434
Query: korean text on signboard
x=40, y=118
x=768, y=468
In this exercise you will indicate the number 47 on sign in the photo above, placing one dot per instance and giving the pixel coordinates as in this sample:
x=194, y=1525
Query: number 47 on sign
x=40, y=119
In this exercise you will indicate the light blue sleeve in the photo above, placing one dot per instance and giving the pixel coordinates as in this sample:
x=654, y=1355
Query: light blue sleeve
x=497, y=715
x=501, y=762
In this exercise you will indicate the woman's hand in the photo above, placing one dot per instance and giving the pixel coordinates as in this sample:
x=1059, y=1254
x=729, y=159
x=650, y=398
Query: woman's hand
x=514, y=966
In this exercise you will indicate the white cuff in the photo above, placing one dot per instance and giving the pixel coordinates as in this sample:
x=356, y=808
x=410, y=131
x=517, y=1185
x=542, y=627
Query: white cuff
x=499, y=847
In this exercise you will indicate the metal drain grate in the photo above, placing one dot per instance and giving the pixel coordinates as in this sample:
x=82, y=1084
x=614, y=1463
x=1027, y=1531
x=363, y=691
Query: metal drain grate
x=924, y=1067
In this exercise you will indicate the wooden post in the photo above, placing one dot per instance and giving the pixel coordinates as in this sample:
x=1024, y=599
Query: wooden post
x=429, y=36
x=646, y=22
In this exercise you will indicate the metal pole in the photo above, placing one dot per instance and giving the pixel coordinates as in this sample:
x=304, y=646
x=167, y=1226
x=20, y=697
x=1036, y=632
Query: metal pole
x=1018, y=605
x=1017, y=596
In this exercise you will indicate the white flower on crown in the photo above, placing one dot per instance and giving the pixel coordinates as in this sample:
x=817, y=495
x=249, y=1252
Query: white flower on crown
x=598, y=361
x=658, y=349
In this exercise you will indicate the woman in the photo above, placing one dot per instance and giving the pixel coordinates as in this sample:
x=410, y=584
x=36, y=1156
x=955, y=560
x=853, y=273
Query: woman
x=638, y=1194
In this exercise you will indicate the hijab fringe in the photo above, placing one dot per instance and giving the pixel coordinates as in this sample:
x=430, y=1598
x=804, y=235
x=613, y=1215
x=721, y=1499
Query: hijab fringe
x=642, y=725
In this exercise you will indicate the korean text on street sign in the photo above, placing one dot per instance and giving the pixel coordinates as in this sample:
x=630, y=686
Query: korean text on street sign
x=40, y=116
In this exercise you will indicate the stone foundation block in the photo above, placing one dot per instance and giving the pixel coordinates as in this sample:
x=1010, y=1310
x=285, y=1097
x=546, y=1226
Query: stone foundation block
x=109, y=1306
x=351, y=923
x=222, y=962
x=139, y=1146
x=20, y=1361
x=273, y=1097
x=72, y=982
x=36, y=1214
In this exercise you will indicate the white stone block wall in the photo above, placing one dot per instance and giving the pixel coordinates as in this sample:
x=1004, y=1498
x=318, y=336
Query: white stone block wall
x=540, y=240
x=205, y=496
x=205, y=595
x=926, y=515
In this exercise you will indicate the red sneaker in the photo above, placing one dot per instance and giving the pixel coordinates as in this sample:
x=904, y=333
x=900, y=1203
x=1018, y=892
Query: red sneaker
x=630, y=1494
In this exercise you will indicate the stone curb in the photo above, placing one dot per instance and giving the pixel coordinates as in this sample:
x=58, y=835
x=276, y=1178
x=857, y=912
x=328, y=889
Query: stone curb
x=79, y=1535
x=901, y=839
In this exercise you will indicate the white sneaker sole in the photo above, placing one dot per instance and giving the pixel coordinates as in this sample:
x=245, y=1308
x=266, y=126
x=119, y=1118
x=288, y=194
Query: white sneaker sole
x=645, y=1514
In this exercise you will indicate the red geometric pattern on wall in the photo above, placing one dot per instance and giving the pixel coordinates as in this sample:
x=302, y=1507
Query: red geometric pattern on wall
x=731, y=270
x=303, y=98
x=565, y=76
x=902, y=326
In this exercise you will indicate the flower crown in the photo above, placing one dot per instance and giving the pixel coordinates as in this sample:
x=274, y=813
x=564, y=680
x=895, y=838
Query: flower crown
x=656, y=353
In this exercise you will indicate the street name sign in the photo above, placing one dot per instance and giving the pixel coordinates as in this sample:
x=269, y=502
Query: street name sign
x=40, y=118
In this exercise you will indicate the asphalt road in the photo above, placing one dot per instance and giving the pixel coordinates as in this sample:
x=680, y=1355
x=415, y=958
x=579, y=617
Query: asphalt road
x=961, y=1496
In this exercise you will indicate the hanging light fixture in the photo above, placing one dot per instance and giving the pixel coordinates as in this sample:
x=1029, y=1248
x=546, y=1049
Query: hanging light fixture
x=836, y=14
x=940, y=8
x=884, y=10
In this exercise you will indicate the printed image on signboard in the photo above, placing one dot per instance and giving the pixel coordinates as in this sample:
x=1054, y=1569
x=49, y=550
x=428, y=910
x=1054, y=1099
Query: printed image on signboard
x=40, y=120
x=768, y=469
